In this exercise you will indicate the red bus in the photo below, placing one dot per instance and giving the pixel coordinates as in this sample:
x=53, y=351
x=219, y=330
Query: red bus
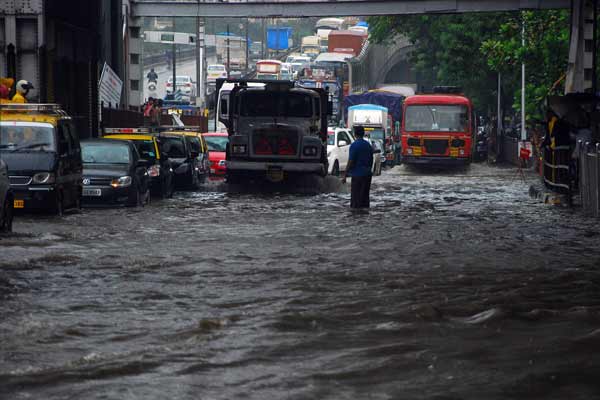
x=438, y=129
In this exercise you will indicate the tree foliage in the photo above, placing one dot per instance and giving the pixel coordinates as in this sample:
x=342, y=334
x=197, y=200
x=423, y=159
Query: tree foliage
x=470, y=49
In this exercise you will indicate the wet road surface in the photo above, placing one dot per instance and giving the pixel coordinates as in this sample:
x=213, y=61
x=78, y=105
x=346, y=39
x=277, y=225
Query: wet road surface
x=453, y=286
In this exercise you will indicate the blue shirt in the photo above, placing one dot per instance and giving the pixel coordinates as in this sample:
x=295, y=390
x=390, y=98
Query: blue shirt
x=361, y=153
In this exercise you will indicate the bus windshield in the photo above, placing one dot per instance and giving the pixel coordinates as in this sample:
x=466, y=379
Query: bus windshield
x=436, y=118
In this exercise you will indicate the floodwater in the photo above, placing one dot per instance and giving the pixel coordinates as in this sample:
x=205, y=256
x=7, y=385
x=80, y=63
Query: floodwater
x=453, y=286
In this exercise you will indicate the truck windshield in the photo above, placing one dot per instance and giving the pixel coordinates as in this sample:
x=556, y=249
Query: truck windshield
x=375, y=134
x=104, y=153
x=269, y=104
x=436, y=118
x=14, y=138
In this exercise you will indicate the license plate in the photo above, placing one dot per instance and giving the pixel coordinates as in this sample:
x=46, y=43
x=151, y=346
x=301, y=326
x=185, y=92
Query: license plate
x=19, y=204
x=275, y=174
x=92, y=192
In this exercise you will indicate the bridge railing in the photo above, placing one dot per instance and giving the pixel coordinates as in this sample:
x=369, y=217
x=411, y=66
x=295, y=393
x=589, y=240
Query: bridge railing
x=589, y=177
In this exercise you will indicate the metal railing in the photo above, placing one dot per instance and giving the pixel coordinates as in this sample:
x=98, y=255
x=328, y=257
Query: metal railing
x=589, y=177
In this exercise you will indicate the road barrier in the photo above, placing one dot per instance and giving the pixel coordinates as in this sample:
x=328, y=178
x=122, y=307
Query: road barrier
x=589, y=177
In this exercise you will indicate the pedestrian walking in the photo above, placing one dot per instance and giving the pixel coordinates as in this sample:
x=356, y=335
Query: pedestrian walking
x=359, y=167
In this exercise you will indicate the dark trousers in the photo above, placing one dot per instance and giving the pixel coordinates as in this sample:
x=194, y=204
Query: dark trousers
x=359, y=196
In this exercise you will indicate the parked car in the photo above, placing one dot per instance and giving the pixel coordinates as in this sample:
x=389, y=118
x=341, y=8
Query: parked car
x=114, y=173
x=217, y=146
x=40, y=146
x=338, y=149
x=188, y=156
x=184, y=84
x=159, y=169
x=6, y=200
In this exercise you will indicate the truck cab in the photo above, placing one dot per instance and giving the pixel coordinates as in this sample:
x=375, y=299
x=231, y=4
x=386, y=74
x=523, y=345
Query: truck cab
x=275, y=130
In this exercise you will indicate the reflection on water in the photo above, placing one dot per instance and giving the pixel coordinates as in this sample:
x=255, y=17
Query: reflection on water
x=453, y=286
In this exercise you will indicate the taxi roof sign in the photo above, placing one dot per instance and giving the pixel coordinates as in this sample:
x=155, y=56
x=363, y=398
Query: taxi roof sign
x=43, y=108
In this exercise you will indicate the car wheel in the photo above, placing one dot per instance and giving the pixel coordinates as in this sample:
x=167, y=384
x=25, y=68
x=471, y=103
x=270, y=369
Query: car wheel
x=7, y=216
x=335, y=171
x=136, y=201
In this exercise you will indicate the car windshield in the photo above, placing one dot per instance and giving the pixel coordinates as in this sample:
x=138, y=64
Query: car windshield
x=109, y=153
x=146, y=149
x=434, y=118
x=216, y=143
x=269, y=104
x=15, y=138
x=173, y=146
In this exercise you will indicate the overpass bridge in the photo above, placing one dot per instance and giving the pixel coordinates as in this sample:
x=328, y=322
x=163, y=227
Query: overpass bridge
x=318, y=8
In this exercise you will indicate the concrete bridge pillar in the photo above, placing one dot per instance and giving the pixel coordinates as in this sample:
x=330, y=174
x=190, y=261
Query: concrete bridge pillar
x=581, y=71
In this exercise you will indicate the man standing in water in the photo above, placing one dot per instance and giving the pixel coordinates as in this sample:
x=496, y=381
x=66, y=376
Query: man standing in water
x=359, y=167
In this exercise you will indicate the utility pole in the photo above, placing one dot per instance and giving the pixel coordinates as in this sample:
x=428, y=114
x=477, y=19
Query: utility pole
x=227, y=41
x=523, y=130
x=174, y=50
x=247, y=27
x=499, y=116
x=200, y=91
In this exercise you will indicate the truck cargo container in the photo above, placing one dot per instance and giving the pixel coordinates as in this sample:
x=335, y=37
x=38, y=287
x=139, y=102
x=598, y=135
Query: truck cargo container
x=349, y=42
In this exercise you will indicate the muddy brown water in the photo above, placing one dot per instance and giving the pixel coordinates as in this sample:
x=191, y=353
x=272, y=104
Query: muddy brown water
x=453, y=286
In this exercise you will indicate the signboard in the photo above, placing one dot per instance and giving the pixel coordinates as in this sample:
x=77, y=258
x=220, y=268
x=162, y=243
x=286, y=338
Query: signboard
x=169, y=37
x=109, y=87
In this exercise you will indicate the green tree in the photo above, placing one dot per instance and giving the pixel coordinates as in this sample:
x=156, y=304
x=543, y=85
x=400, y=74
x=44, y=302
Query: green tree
x=544, y=54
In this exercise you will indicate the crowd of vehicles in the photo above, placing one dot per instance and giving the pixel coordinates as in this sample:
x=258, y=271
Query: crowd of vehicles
x=44, y=165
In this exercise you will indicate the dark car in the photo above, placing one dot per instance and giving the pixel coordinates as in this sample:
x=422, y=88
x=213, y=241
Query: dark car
x=114, y=173
x=6, y=200
x=185, y=158
x=160, y=169
x=40, y=145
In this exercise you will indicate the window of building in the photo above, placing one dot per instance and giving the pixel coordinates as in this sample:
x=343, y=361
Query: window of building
x=135, y=58
x=134, y=32
x=134, y=84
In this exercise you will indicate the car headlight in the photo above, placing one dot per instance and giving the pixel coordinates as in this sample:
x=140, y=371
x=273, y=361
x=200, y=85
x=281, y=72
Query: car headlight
x=42, y=178
x=123, y=181
x=154, y=171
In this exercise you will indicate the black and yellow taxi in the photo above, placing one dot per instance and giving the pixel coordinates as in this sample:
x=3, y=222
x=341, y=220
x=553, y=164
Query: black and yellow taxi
x=40, y=145
x=160, y=168
x=188, y=153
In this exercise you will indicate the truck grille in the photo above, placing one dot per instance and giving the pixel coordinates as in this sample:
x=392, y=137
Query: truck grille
x=436, y=146
x=19, y=180
x=278, y=141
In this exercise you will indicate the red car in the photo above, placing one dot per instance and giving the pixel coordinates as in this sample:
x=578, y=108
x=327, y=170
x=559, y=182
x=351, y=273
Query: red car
x=217, y=143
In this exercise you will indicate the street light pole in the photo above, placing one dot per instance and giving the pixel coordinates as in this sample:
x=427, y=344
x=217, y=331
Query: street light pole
x=174, y=52
x=523, y=130
x=228, y=43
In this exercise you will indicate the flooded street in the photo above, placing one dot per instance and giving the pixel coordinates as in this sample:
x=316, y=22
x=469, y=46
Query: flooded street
x=453, y=286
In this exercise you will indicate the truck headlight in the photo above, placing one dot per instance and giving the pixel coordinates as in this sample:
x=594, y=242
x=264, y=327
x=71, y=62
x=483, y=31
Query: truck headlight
x=222, y=163
x=42, y=178
x=123, y=181
x=239, y=148
x=310, y=151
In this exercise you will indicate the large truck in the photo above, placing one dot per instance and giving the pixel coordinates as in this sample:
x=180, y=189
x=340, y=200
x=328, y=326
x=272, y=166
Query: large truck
x=438, y=128
x=310, y=46
x=378, y=126
x=323, y=27
x=279, y=40
x=276, y=130
x=348, y=42
x=392, y=102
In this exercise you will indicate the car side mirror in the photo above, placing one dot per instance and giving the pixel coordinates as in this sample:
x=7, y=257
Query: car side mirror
x=342, y=143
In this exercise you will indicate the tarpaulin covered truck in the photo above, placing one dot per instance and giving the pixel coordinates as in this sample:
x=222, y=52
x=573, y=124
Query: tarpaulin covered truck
x=393, y=103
